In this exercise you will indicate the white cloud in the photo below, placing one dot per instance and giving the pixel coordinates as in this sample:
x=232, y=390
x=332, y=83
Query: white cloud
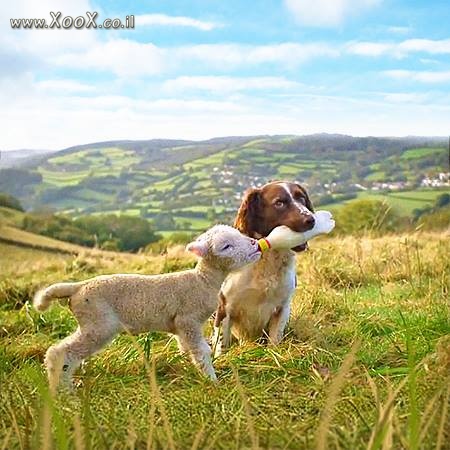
x=120, y=56
x=178, y=21
x=399, y=29
x=368, y=48
x=326, y=13
x=34, y=118
x=64, y=86
x=422, y=76
x=426, y=45
x=225, y=84
x=399, y=49
x=229, y=56
x=405, y=97
x=127, y=58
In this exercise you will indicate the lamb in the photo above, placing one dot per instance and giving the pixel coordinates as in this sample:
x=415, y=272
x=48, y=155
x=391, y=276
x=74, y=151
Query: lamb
x=178, y=303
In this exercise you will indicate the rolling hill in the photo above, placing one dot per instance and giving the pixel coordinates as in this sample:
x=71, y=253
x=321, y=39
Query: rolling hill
x=187, y=184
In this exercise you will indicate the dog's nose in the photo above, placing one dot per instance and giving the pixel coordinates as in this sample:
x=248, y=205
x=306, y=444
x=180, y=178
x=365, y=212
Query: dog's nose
x=310, y=221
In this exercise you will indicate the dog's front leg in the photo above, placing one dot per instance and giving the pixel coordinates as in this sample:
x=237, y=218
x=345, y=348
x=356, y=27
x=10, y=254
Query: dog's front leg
x=226, y=333
x=278, y=322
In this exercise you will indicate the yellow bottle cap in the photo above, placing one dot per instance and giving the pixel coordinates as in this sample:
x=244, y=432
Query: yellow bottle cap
x=264, y=245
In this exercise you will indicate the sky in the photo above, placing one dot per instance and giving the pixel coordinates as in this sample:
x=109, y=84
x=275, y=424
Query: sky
x=197, y=69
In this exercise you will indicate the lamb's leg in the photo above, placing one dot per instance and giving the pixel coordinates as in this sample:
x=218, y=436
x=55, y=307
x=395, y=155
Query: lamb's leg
x=192, y=339
x=63, y=358
x=278, y=322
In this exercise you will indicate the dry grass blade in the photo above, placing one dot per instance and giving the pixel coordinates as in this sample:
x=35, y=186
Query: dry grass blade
x=335, y=388
x=132, y=436
x=78, y=433
x=15, y=425
x=247, y=410
x=198, y=438
x=151, y=416
x=430, y=412
x=389, y=426
x=442, y=423
x=385, y=418
x=46, y=428
x=6, y=440
x=160, y=404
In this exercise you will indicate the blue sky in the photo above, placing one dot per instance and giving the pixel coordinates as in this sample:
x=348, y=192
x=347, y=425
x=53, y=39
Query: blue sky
x=199, y=69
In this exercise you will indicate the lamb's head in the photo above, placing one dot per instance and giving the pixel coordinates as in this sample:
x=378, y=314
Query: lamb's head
x=225, y=248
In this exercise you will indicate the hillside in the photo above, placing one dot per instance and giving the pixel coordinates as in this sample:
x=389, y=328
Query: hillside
x=365, y=363
x=186, y=184
x=12, y=238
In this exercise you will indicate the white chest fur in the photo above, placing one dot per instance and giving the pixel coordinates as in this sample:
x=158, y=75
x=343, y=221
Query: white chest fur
x=255, y=292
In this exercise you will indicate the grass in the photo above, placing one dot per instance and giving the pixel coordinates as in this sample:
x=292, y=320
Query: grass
x=26, y=239
x=58, y=178
x=365, y=363
x=403, y=202
x=416, y=153
x=10, y=216
x=406, y=201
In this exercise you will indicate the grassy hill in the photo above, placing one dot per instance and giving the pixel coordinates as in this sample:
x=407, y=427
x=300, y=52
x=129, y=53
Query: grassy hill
x=365, y=363
x=404, y=202
x=186, y=184
x=12, y=238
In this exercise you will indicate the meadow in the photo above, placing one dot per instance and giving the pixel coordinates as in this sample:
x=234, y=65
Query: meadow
x=402, y=202
x=365, y=363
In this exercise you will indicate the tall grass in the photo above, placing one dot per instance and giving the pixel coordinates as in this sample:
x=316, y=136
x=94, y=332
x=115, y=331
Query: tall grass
x=318, y=389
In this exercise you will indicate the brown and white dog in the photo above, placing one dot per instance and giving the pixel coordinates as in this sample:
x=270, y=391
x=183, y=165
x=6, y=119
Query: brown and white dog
x=255, y=301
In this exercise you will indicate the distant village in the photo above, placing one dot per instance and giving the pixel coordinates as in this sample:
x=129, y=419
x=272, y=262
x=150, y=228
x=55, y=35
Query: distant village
x=226, y=177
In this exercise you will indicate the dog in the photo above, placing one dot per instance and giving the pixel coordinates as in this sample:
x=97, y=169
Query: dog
x=255, y=301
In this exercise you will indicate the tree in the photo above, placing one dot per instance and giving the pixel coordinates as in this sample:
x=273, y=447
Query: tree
x=8, y=201
x=164, y=221
x=126, y=232
x=143, y=212
x=442, y=200
x=359, y=216
x=211, y=214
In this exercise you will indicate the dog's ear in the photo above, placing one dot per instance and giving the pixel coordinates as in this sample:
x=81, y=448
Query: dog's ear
x=308, y=202
x=247, y=216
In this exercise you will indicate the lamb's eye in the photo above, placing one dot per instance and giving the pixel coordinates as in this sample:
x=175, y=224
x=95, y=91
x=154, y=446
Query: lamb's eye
x=226, y=247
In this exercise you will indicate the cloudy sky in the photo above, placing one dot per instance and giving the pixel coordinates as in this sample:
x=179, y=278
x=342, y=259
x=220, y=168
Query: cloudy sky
x=203, y=68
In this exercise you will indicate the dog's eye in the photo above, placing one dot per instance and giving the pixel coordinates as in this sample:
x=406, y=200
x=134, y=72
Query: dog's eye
x=279, y=204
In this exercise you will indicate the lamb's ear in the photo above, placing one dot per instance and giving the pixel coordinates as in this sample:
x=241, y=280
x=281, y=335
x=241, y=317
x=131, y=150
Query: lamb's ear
x=199, y=248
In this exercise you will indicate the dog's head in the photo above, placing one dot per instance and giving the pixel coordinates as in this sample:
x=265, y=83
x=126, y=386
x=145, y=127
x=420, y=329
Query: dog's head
x=276, y=203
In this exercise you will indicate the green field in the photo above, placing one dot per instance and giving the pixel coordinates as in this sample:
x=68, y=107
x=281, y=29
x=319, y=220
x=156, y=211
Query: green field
x=403, y=202
x=420, y=152
x=365, y=363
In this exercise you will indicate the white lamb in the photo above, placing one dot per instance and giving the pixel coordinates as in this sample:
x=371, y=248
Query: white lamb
x=178, y=303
